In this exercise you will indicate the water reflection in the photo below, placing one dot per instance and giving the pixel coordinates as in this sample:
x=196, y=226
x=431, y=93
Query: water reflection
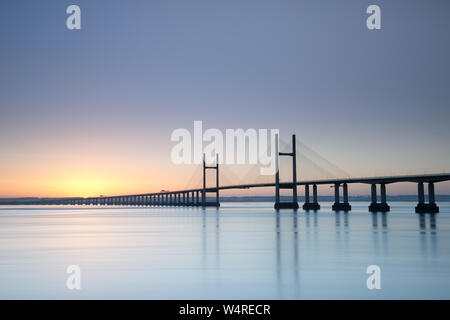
x=204, y=233
x=292, y=227
x=378, y=230
x=204, y=246
x=280, y=253
x=234, y=252
x=312, y=243
x=375, y=220
x=423, y=222
x=217, y=239
x=296, y=268
x=338, y=218
x=384, y=221
x=342, y=231
x=428, y=235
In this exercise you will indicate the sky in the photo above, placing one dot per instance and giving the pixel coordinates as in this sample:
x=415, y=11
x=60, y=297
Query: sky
x=91, y=111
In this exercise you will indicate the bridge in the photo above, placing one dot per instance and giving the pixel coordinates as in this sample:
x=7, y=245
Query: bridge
x=198, y=196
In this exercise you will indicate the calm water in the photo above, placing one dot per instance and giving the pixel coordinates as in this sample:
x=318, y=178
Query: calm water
x=241, y=251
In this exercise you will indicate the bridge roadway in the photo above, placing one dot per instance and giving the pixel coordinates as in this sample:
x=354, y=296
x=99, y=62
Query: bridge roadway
x=197, y=197
x=367, y=180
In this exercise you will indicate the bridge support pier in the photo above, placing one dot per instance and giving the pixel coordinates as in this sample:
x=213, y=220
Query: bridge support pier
x=429, y=207
x=376, y=206
x=338, y=205
x=311, y=205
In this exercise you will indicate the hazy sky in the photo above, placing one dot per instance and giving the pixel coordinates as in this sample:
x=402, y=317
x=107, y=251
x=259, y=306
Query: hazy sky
x=90, y=111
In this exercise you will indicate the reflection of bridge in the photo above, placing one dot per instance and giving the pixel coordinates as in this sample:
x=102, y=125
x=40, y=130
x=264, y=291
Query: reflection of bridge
x=197, y=197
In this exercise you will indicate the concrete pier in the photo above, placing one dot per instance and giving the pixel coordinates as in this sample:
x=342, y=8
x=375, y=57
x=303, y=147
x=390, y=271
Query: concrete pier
x=338, y=205
x=311, y=205
x=429, y=207
x=376, y=206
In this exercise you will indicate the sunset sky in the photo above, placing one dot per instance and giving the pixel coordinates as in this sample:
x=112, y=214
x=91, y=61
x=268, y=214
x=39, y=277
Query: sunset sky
x=90, y=112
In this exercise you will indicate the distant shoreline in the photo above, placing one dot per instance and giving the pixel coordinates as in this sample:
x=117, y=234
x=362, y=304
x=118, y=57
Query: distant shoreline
x=362, y=198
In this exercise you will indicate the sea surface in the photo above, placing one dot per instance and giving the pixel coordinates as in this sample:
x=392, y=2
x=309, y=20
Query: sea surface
x=240, y=251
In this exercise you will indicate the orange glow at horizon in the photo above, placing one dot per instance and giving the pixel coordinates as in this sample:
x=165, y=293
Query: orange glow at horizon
x=61, y=172
x=85, y=184
x=82, y=185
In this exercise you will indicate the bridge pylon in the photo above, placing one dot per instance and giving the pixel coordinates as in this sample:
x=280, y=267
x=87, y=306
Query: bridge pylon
x=293, y=204
x=205, y=203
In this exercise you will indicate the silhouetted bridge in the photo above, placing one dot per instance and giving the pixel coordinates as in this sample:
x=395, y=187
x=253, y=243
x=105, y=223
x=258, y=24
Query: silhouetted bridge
x=198, y=197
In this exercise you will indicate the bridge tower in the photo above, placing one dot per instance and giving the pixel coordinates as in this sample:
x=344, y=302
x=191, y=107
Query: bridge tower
x=293, y=185
x=216, y=189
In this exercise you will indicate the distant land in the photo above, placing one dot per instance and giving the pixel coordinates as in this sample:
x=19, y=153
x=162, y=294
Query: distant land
x=366, y=198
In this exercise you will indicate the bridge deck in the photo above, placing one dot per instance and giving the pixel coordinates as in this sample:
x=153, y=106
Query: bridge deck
x=365, y=180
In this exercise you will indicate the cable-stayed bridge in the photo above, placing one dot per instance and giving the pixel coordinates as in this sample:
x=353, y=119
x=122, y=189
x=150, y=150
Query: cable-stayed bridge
x=199, y=196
